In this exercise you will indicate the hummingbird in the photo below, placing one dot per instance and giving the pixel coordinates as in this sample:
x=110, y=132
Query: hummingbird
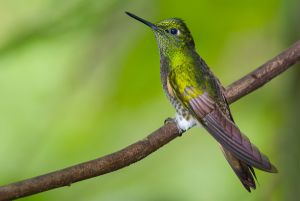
x=199, y=98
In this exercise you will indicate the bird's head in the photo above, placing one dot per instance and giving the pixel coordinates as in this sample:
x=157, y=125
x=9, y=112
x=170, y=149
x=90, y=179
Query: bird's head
x=171, y=34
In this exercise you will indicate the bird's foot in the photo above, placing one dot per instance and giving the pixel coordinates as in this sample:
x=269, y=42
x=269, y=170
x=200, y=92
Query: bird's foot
x=169, y=120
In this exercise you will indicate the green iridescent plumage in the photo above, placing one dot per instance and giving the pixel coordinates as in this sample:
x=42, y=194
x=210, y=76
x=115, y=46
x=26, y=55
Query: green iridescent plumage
x=185, y=66
x=198, y=97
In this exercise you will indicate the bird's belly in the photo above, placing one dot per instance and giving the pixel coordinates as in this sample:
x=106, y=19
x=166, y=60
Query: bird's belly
x=185, y=123
x=183, y=117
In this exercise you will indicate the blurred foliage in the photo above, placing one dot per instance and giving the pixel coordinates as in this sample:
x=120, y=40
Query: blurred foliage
x=79, y=79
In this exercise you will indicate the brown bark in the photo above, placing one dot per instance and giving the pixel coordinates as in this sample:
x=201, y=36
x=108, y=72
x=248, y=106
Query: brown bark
x=142, y=148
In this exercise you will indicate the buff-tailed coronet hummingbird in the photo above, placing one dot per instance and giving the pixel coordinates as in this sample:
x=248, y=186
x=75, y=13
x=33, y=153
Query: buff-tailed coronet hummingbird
x=198, y=97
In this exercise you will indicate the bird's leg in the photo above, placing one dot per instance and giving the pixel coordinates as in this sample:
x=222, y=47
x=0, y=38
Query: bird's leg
x=169, y=120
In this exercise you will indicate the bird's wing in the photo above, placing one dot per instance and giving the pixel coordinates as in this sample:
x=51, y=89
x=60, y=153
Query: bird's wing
x=203, y=107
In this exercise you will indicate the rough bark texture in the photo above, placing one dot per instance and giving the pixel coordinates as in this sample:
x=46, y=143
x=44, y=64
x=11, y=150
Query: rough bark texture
x=157, y=139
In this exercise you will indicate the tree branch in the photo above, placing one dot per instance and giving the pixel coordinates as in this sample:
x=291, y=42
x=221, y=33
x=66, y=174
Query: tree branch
x=264, y=73
x=151, y=143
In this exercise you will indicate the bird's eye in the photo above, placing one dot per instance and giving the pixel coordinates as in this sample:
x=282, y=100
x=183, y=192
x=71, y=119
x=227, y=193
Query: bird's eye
x=174, y=31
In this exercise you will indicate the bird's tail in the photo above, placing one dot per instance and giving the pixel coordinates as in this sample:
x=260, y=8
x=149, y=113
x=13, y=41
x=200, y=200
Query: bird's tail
x=244, y=172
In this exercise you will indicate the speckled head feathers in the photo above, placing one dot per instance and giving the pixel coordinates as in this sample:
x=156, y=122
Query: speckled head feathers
x=171, y=33
x=176, y=32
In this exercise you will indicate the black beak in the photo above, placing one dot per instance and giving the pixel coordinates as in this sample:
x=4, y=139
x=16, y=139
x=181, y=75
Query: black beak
x=149, y=24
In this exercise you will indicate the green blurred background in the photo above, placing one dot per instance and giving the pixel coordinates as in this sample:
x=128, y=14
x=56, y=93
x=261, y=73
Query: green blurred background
x=80, y=79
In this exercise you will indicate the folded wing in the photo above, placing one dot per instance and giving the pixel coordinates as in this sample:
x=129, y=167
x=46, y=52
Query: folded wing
x=227, y=133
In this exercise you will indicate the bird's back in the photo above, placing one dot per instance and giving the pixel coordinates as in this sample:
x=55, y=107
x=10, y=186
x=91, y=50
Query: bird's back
x=194, y=79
